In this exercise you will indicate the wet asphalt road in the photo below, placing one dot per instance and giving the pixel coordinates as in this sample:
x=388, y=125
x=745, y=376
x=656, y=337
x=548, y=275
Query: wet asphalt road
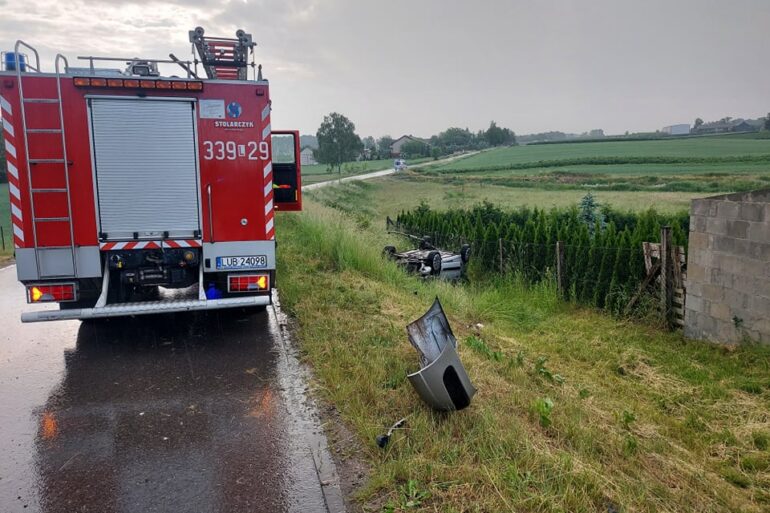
x=173, y=413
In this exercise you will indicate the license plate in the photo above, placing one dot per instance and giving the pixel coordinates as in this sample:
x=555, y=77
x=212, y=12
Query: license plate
x=242, y=262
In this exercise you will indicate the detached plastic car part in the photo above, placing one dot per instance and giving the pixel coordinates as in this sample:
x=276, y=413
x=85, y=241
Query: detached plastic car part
x=442, y=381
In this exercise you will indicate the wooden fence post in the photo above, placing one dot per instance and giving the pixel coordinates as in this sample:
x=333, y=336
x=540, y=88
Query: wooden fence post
x=2, y=237
x=500, y=252
x=560, y=267
x=667, y=276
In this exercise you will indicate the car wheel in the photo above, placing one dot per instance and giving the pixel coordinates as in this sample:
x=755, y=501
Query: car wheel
x=465, y=253
x=389, y=251
x=434, y=261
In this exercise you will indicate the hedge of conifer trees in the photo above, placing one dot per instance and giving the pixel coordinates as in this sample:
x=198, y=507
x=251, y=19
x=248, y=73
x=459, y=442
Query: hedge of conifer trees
x=603, y=255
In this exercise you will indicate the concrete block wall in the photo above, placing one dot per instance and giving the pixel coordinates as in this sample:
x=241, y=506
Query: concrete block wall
x=728, y=268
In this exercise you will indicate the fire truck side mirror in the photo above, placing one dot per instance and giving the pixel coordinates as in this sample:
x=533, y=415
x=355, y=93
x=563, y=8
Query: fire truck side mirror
x=287, y=170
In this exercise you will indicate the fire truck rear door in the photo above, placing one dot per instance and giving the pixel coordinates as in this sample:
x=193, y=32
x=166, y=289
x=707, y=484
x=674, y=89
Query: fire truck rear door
x=287, y=170
x=146, y=168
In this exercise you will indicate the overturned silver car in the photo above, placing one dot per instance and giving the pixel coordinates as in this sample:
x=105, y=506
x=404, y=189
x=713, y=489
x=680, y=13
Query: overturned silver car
x=428, y=260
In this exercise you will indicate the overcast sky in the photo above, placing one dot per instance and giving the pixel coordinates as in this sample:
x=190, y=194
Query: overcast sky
x=419, y=66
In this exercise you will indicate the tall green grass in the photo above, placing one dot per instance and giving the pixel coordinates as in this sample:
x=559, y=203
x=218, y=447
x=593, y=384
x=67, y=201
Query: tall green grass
x=575, y=411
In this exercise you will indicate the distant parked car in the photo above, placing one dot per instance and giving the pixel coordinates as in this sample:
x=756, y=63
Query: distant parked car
x=399, y=164
x=430, y=261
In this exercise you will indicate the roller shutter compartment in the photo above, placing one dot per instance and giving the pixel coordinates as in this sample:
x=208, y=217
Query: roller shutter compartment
x=146, y=168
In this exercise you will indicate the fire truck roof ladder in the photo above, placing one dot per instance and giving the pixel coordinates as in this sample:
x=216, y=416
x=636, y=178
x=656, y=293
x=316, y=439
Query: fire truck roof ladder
x=224, y=58
x=57, y=161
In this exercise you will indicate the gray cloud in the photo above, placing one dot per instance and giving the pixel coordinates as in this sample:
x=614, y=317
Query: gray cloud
x=420, y=66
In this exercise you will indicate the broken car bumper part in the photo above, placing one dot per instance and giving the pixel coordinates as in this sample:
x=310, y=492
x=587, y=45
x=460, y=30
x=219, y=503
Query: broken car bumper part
x=442, y=381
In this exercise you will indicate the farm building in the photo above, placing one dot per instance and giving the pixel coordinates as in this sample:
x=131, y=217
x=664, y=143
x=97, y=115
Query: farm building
x=726, y=126
x=728, y=268
x=681, y=129
x=395, y=148
x=306, y=157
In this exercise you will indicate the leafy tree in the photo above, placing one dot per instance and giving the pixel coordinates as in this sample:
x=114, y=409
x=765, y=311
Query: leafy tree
x=767, y=122
x=337, y=141
x=698, y=122
x=455, y=139
x=496, y=136
x=383, y=146
x=411, y=149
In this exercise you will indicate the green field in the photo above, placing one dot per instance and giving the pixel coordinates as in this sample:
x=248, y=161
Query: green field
x=691, y=148
x=391, y=195
x=699, y=164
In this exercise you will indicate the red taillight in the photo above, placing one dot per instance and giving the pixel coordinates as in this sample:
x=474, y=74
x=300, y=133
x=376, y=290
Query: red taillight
x=147, y=84
x=248, y=282
x=48, y=293
x=131, y=83
x=163, y=84
x=179, y=86
x=82, y=82
x=195, y=86
x=114, y=82
x=99, y=82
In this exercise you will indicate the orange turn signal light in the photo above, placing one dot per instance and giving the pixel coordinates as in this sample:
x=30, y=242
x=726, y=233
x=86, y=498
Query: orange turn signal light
x=54, y=292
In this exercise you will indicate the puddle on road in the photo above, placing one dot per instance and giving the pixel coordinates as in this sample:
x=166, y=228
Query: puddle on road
x=163, y=413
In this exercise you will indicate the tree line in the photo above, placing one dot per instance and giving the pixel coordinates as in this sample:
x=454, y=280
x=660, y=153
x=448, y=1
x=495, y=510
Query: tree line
x=603, y=255
x=339, y=143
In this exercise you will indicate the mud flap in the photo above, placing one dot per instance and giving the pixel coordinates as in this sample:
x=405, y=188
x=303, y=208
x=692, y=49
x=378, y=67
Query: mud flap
x=442, y=381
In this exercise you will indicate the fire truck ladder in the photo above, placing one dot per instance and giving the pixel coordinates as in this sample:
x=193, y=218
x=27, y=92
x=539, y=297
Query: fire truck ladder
x=50, y=258
x=224, y=58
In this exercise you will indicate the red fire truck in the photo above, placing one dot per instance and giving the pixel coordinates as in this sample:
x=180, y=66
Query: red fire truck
x=135, y=193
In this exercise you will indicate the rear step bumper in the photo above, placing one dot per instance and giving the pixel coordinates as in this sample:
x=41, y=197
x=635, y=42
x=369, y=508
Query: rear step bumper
x=144, y=308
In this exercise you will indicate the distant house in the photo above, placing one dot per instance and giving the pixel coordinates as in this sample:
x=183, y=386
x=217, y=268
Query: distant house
x=306, y=157
x=395, y=148
x=681, y=129
x=724, y=126
x=743, y=126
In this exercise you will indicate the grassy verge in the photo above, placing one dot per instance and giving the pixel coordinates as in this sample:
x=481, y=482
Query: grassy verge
x=575, y=411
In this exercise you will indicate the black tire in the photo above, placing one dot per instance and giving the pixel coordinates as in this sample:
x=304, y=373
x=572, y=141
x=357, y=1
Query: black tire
x=389, y=251
x=433, y=260
x=465, y=253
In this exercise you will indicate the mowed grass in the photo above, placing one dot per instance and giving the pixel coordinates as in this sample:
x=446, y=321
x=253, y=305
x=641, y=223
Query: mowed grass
x=575, y=411
x=697, y=147
x=388, y=196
